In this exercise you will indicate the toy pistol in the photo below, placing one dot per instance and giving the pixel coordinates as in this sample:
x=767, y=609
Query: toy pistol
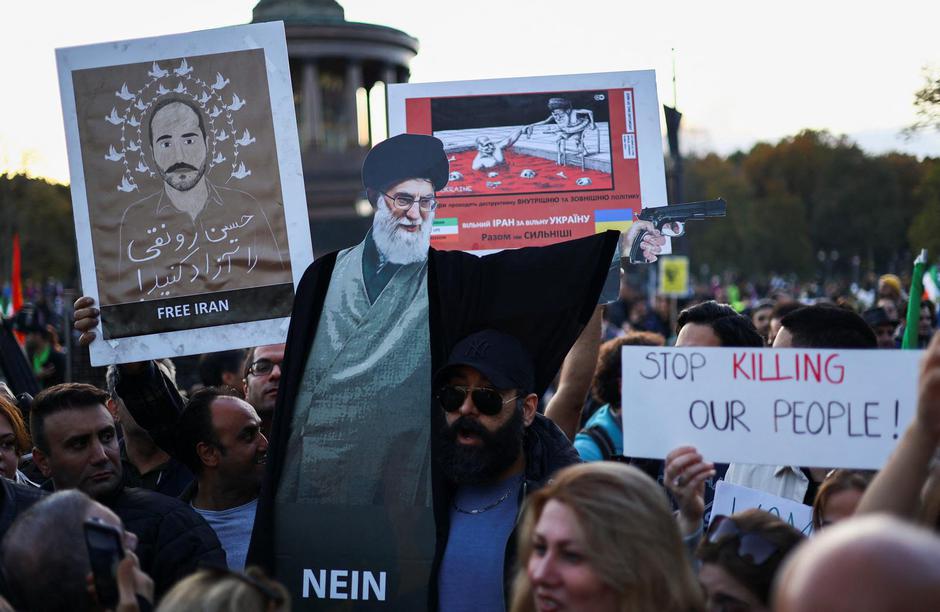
x=659, y=216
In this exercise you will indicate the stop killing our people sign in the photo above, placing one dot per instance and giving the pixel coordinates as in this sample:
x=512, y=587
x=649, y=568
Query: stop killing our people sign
x=824, y=408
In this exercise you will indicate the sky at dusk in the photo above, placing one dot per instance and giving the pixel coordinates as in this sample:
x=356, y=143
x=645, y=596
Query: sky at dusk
x=746, y=71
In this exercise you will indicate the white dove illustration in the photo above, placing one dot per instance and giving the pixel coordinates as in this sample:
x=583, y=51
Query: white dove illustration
x=133, y=122
x=157, y=72
x=204, y=98
x=236, y=104
x=180, y=88
x=241, y=172
x=126, y=186
x=215, y=112
x=141, y=105
x=183, y=70
x=245, y=140
x=221, y=136
x=162, y=91
x=114, y=118
x=561, y=174
x=142, y=167
x=124, y=94
x=133, y=146
x=218, y=159
x=113, y=155
x=220, y=81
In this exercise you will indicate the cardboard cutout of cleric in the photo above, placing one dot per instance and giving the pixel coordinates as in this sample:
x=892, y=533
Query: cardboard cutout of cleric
x=189, y=206
x=355, y=506
x=538, y=160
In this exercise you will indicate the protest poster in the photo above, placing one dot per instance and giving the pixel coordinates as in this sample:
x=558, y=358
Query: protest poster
x=538, y=160
x=815, y=408
x=674, y=276
x=730, y=498
x=187, y=189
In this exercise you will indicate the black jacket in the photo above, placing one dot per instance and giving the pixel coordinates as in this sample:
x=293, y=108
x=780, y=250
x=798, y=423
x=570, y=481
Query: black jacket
x=547, y=450
x=15, y=499
x=542, y=296
x=172, y=538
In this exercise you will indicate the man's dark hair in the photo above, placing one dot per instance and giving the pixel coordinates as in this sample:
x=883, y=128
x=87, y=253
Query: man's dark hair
x=173, y=99
x=784, y=308
x=606, y=385
x=44, y=558
x=756, y=578
x=195, y=426
x=213, y=365
x=731, y=328
x=828, y=326
x=65, y=396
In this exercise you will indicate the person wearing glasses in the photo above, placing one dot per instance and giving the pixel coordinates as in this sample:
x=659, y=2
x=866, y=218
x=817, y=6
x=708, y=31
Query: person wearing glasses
x=739, y=558
x=494, y=450
x=355, y=421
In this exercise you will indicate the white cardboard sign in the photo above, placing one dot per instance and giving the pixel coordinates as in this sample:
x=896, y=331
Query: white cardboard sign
x=819, y=408
x=187, y=189
x=730, y=498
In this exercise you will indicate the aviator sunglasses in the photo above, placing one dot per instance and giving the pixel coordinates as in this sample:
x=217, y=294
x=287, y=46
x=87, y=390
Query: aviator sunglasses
x=752, y=547
x=488, y=401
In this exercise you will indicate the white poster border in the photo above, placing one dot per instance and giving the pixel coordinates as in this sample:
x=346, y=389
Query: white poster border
x=271, y=39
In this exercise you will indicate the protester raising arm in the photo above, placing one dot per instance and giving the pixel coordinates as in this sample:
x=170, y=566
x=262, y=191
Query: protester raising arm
x=577, y=372
x=897, y=488
x=149, y=395
x=685, y=474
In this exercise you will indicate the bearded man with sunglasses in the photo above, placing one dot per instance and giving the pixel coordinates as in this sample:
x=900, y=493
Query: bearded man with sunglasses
x=494, y=450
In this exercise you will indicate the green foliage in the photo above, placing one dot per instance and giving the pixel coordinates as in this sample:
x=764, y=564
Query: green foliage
x=810, y=193
x=41, y=212
x=924, y=233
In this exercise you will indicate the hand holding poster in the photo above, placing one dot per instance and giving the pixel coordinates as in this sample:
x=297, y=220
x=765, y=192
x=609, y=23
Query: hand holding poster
x=821, y=408
x=730, y=498
x=187, y=189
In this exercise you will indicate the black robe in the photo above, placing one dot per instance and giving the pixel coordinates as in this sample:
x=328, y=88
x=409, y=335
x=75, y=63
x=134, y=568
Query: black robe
x=544, y=296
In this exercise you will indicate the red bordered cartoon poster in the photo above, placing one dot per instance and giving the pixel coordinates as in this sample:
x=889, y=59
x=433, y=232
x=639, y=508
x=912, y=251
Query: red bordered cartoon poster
x=538, y=160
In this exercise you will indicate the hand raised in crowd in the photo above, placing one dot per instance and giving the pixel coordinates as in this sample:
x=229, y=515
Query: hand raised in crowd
x=86, y=319
x=651, y=244
x=928, y=396
x=131, y=582
x=685, y=473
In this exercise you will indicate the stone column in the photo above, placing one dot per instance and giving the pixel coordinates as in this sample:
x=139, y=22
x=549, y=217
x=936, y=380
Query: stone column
x=353, y=83
x=312, y=120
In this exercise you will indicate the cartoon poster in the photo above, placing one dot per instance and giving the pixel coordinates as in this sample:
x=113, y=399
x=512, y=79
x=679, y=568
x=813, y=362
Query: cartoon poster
x=540, y=160
x=187, y=189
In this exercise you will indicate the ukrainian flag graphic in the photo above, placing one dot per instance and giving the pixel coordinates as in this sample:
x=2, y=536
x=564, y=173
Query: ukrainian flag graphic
x=619, y=219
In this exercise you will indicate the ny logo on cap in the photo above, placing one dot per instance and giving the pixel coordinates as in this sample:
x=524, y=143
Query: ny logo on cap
x=478, y=348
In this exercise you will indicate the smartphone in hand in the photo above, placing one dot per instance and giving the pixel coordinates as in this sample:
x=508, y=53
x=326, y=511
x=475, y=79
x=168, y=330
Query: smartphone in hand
x=105, y=551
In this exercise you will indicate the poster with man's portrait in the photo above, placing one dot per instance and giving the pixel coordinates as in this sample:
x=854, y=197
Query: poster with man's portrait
x=187, y=189
x=538, y=160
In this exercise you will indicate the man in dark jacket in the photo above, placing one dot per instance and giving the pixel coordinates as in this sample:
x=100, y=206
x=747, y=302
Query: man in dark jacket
x=76, y=446
x=494, y=450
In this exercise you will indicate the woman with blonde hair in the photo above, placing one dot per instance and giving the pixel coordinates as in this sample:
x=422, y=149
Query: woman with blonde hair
x=600, y=537
x=220, y=590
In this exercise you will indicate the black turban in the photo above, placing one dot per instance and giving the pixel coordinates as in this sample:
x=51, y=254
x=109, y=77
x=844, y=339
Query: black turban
x=403, y=157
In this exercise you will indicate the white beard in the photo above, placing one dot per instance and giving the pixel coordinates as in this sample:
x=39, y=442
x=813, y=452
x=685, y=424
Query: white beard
x=395, y=244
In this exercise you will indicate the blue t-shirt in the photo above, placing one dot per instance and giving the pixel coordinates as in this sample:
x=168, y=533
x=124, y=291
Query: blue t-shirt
x=471, y=575
x=611, y=424
x=233, y=528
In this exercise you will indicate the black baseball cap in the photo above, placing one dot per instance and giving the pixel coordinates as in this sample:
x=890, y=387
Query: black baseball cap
x=498, y=356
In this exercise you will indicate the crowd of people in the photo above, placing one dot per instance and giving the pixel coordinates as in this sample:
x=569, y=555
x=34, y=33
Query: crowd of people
x=514, y=493
x=568, y=521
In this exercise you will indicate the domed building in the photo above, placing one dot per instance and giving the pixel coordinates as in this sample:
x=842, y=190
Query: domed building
x=339, y=70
